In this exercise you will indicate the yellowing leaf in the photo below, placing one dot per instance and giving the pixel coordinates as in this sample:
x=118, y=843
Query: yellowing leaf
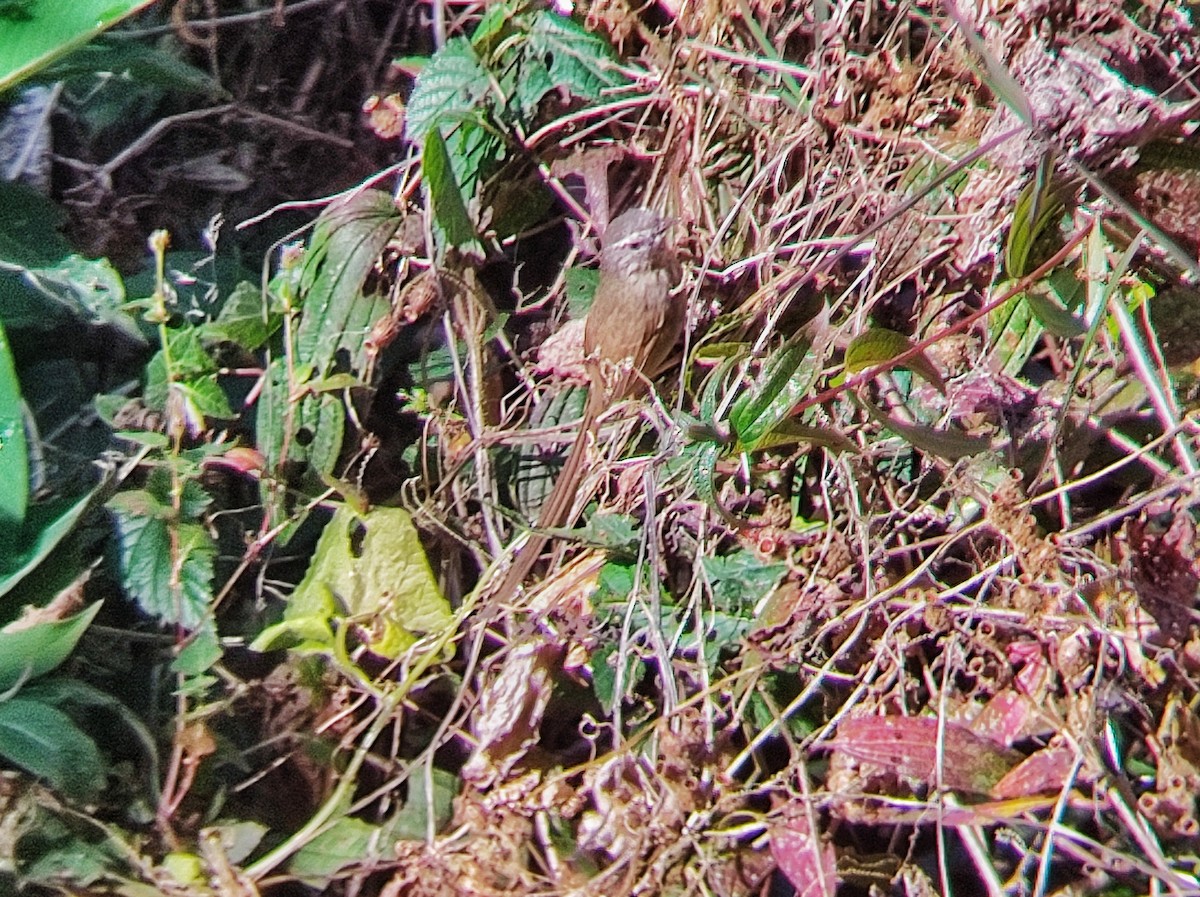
x=371, y=569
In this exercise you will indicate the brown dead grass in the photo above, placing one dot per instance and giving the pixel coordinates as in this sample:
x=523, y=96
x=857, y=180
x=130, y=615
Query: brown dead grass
x=1008, y=613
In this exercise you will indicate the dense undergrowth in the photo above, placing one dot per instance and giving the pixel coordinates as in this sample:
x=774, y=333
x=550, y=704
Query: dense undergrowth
x=888, y=585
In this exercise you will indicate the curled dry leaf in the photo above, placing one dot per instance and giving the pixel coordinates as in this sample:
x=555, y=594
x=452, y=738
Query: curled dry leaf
x=510, y=711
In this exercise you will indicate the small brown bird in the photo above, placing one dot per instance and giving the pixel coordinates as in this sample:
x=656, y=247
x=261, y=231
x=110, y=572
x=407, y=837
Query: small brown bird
x=633, y=325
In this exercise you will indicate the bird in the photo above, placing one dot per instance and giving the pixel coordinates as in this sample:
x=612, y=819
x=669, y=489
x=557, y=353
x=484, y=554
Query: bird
x=634, y=322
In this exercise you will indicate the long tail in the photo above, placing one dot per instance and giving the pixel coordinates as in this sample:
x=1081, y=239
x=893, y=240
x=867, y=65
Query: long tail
x=557, y=508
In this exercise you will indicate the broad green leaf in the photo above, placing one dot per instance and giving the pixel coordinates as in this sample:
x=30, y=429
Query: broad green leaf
x=62, y=292
x=29, y=227
x=347, y=841
x=168, y=574
x=27, y=653
x=579, y=60
x=449, y=90
x=244, y=319
x=879, y=345
x=45, y=742
x=374, y=568
x=14, y=453
x=447, y=198
x=346, y=244
x=42, y=31
x=46, y=525
x=85, y=702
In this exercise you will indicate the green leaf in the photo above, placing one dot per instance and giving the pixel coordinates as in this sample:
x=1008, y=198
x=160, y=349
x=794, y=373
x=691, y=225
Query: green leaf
x=139, y=62
x=346, y=244
x=879, y=345
x=949, y=444
x=91, y=288
x=45, y=742
x=1015, y=332
x=448, y=91
x=374, y=567
x=14, y=453
x=84, y=702
x=204, y=399
x=29, y=227
x=448, y=200
x=200, y=653
x=740, y=580
x=1037, y=207
x=46, y=525
x=27, y=653
x=168, y=578
x=349, y=841
x=189, y=361
x=49, y=29
x=579, y=60
x=786, y=378
x=345, y=842
x=245, y=319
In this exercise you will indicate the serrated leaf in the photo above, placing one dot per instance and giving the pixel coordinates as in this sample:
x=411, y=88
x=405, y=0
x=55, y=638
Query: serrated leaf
x=27, y=653
x=203, y=399
x=45, y=742
x=200, y=653
x=189, y=361
x=579, y=60
x=448, y=90
x=170, y=578
x=880, y=345
x=14, y=452
x=740, y=580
